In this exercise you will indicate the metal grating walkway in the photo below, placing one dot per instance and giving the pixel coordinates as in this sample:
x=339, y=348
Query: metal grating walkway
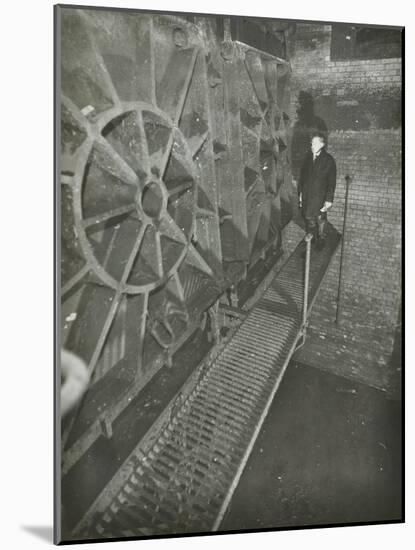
x=185, y=483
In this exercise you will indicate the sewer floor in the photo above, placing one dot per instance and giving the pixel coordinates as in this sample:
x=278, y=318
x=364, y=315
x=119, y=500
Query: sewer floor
x=329, y=452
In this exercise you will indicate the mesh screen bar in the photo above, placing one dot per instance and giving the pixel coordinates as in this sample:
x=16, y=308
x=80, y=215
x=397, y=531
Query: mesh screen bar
x=185, y=482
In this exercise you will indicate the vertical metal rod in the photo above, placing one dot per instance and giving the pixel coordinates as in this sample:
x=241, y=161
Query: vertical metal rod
x=308, y=238
x=339, y=289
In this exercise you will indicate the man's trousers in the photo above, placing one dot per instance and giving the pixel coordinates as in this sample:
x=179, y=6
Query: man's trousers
x=316, y=225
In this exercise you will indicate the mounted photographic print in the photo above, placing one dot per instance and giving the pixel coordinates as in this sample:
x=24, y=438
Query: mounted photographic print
x=228, y=336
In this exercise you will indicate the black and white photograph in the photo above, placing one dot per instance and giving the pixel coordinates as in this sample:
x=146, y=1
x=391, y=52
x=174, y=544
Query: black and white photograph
x=228, y=220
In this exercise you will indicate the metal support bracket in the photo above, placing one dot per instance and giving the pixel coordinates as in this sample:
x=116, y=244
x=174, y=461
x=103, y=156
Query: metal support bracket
x=213, y=312
x=106, y=426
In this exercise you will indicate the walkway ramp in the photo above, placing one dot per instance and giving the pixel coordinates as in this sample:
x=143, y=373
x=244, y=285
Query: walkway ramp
x=186, y=481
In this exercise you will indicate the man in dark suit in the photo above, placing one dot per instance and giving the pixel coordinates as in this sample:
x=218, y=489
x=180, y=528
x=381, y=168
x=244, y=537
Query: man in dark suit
x=316, y=187
x=307, y=124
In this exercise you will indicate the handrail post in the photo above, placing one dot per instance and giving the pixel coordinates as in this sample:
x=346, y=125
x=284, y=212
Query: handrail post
x=307, y=238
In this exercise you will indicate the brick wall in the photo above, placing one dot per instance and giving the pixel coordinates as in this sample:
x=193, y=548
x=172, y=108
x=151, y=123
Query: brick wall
x=356, y=94
x=360, y=103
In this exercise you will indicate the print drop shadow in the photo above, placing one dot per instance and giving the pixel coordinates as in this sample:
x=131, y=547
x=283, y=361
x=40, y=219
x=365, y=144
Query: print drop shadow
x=43, y=532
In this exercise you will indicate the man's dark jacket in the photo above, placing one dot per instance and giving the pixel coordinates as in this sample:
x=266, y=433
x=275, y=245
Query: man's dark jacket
x=317, y=182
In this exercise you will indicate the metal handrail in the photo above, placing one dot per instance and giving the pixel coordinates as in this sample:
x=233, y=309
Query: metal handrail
x=307, y=239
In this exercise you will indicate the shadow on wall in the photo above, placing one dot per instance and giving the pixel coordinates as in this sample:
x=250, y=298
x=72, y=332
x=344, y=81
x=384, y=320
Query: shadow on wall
x=307, y=123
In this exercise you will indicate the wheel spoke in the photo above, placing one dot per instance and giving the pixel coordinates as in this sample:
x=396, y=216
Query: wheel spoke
x=169, y=228
x=185, y=160
x=175, y=83
x=143, y=316
x=76, y=113
x=125, y=172
x=270, y=71
x=74, y=280
x=196, y=260
x=258, y=82
x=166, y=154
x=178, y=287
x=133, y=254
x=266, y=133
x=145, y=156
x=186, y=87
x=105, y=216
x=180, y=188
x=116, y=301
x=159, y=255
x=104, y=332
x=152, y=63
x=196, y=143
x=88, y=24
x=178, y=155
